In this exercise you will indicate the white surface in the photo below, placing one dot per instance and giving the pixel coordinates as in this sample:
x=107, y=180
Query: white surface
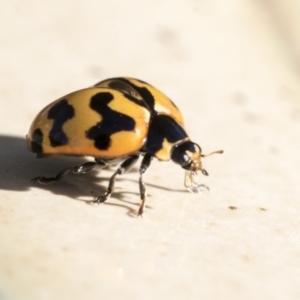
x=233, y=76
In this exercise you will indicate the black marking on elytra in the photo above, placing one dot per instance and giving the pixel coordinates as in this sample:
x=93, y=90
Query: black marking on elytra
x=163, y=127
x=136, y=101
x=37, y=141
x=112, y=121
x=144, y=93
x=123, y=87
x=61, y=112
x=141, y=81
x=128, y=91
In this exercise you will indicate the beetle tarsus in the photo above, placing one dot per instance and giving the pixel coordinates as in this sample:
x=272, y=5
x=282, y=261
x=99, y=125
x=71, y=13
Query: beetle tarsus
x=102, y=198
x=82, y=169
x=46, y=180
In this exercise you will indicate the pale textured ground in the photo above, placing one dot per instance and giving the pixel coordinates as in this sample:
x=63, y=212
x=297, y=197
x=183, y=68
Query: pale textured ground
x=233, y=68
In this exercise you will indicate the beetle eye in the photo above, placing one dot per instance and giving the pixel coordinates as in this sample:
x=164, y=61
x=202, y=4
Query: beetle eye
x=180, y=156
x=184, y=159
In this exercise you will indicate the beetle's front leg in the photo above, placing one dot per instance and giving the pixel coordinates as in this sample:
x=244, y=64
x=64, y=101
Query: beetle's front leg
x=123, y=168
x=143, y=168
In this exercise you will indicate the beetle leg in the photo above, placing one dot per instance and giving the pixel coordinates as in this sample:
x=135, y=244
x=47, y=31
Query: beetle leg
x=143, y=168
x=89, y=166
x=123, y=168
x=84, y=168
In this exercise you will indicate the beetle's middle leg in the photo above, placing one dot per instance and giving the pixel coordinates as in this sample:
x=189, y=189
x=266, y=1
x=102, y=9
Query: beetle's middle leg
x=123, y=168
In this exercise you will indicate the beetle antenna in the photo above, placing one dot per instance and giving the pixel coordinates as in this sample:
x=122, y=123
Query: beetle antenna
x=214, y=152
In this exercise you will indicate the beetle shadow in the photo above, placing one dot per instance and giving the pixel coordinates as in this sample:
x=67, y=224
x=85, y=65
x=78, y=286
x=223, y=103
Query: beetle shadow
x=18, y=166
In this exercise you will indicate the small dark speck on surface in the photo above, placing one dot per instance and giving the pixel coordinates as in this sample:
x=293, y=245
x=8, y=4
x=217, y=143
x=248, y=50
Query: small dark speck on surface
x=262, y=209
x=232, y=207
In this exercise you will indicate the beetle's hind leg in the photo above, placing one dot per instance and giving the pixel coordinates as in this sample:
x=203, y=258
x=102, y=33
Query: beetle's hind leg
x=84, y=168
x=123, y=168
x=143, y=168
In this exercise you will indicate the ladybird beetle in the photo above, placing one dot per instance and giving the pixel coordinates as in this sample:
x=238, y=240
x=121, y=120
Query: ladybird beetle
x=115, y=121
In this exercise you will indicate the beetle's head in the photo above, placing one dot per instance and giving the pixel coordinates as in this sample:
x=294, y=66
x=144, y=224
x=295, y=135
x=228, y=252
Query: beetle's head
x=188, y=156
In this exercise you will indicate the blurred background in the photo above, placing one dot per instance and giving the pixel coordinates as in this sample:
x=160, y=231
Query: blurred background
x=233, y=68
